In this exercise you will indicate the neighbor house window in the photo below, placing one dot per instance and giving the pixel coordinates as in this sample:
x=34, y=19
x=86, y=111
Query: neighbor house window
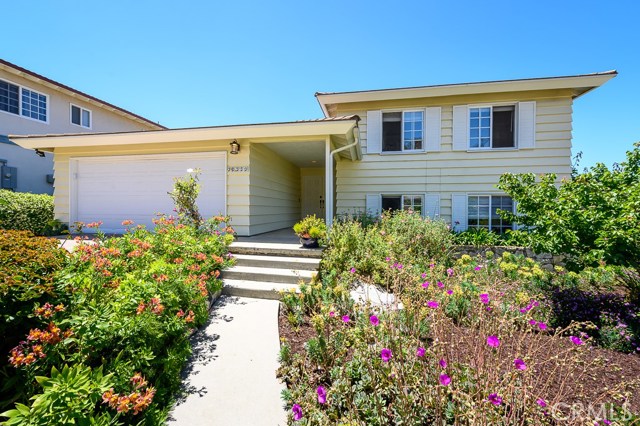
x=403, y=202
x=402, y=131
x=80, y=116
x=22, y=101
x=483, y=212
x=492, y=127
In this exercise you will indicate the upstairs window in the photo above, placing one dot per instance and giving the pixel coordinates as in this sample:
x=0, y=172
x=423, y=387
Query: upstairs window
x=402, y=131
x=22, y=101
x=80, y=116
x=492, y=127
x=483, y=212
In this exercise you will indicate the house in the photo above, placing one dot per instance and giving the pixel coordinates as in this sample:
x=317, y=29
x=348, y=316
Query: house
x=438, y=150
x=33, y=104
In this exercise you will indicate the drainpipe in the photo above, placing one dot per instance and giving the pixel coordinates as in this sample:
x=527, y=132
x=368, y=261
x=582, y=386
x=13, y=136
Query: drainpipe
x=329, y=172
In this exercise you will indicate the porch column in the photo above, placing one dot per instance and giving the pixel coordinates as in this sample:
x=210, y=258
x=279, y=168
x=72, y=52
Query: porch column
x=328, y=187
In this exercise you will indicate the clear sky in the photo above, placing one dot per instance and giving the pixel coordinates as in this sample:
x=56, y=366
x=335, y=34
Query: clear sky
x=201, y=63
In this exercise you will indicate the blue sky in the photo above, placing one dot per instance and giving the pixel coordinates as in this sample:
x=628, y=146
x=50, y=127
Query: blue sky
x=200, y=63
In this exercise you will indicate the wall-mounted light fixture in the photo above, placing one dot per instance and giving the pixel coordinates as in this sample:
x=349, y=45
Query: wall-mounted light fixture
x=39, y=153
x=235, y=147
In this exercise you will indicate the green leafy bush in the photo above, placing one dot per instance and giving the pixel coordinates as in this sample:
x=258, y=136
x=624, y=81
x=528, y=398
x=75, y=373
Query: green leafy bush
x=28, y=212
x=311, y=227
x=184, y=195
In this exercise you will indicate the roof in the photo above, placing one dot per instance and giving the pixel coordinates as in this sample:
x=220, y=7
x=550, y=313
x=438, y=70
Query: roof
x=23, y=72
x=580, y=83
x=305, y=129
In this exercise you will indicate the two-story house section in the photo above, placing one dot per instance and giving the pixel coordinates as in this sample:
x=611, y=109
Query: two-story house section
x=437, y=150
x=31, y=104
x=441, y=150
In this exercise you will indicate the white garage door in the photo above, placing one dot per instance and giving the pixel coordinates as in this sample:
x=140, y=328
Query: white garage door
x=112, y=189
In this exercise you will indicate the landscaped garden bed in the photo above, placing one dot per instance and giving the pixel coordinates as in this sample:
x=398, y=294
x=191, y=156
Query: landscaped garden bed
x=477, y=340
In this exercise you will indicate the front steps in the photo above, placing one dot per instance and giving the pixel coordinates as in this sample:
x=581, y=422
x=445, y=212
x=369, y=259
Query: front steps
x=262, y=270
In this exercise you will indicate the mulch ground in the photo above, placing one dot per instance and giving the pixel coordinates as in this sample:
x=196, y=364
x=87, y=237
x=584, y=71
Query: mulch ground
x=606, y=368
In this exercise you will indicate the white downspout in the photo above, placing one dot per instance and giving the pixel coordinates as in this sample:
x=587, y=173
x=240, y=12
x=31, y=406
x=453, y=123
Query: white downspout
x=329, y=172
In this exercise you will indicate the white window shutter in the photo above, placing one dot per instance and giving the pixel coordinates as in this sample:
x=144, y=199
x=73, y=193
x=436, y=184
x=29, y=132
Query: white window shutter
x=460, y=128
x=374, y=204
x=526, y=125
x=432, y=205
x=459, y=212
x=374, y=132
x=433, y=124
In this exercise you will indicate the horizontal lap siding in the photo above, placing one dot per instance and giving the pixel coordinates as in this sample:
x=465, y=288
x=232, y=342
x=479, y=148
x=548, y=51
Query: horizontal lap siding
x=449, y=171
x=274, y=191
x=237, y=183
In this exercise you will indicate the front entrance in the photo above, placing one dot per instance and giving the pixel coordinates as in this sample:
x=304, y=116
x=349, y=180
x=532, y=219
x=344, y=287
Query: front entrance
x=313, y=197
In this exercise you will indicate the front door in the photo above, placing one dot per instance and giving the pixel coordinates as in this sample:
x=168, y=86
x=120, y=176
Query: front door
x=313, y=196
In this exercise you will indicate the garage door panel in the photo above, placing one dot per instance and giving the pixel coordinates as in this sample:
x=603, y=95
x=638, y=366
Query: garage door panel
x=112, y=189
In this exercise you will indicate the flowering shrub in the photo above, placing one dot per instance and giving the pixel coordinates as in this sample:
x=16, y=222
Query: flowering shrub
x=475, y=342
x=27, y=212
x=126, y=305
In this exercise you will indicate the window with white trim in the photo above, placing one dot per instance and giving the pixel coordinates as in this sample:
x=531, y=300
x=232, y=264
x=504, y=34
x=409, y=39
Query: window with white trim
x=80, y=116
x=413, y=203
x=402, y=131
x=19, y=100
x=482, y=212
x=492, y=127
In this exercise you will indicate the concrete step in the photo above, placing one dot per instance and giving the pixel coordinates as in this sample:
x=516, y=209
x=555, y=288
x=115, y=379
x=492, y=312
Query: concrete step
x=256, y=289
x=275, y=275
x=274, y=249
x=280, y=262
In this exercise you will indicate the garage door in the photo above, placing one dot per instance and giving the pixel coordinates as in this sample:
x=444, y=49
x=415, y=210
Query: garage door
x=112, y=189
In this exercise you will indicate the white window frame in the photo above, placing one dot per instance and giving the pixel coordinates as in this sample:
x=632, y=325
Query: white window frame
x=422, y=196
x=491, y=106
x=490, y=195
x=402, y=150
x=81, y=109
x=19, y=114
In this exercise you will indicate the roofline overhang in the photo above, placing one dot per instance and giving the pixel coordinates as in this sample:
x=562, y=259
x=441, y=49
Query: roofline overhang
x=580, y=84
x=77, y=94
x=314, y=130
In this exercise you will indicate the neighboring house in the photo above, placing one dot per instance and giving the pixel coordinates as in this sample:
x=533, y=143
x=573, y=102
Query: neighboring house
x=31, y=104
x=438, y=150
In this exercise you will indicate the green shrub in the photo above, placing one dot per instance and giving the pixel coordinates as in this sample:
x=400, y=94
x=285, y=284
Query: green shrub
x=184, y=195
x=27, y=212
x=311, y=227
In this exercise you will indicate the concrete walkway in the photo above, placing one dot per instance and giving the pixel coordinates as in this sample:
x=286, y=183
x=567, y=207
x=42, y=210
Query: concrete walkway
x=231, y=377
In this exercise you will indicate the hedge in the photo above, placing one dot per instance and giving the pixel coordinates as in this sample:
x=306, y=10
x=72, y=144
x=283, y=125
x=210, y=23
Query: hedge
x=24, y=211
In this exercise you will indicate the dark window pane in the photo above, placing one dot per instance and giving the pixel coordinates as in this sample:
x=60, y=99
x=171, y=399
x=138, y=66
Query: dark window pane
x=503, y=127
x=9, y=97
x=75, y=115
x=391, y=203
x=392, y=131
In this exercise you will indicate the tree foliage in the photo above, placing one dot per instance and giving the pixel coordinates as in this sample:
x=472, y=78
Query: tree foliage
x=592, y=217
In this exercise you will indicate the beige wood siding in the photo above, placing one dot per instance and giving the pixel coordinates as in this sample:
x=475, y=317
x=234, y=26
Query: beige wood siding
x=237, y=182
x=274, y=191
x=447, y=171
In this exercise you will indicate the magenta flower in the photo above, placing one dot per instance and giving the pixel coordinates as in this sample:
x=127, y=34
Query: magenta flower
x=432, y=304
x=387, y=258
x=477, y=268
x=374, y=320
x=576, y=340
x=425, y=284
x=297, y=412
x=493, y=341
x=449, y=272
x=533, y=322
x=345, y=319
x=445, y=380
x=440, y=284
x=332, y=314
x=449, y=292
x=541, y=402
x=424, y=275
x=519, y=364
x=420, y=352
x=443, y=363
x=386, y=354
x=352, y=270
x=542, y=326
x=484, y=298
x=495, y=399
x=322, y=395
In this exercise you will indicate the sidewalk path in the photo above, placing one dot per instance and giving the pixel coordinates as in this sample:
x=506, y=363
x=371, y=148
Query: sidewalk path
x=231, y=377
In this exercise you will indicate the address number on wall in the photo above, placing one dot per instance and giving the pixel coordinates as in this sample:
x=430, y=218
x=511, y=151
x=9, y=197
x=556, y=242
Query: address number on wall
x=238, y=169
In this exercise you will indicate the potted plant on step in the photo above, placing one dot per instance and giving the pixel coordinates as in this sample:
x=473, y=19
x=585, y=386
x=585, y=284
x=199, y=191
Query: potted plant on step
x=311, y=231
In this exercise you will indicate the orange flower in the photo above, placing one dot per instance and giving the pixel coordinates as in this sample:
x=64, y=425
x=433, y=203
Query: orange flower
x=141, y=307
x=190, y=317
x=127, y=222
